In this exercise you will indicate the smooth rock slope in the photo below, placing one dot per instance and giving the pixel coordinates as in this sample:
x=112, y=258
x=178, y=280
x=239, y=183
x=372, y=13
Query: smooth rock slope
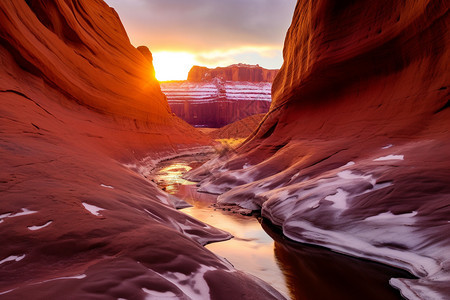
x=80, y=112
x=354, y=153
x=238, y=130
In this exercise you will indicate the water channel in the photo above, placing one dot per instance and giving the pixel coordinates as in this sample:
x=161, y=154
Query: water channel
x=296, y=270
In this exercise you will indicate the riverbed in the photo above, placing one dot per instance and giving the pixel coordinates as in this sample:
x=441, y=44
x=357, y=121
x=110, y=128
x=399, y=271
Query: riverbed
x=296, y=270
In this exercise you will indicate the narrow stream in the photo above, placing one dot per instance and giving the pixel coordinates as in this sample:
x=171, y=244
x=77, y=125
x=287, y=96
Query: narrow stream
x=296, y=270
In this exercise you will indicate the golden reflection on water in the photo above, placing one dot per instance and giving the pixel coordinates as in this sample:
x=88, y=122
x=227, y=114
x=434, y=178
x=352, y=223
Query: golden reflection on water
x=251, y=250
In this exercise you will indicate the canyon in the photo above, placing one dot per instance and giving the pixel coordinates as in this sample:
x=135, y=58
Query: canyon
x=217, y=97
x=352, y=155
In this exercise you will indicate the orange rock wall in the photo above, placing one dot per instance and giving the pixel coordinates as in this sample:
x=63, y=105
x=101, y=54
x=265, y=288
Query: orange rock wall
x=79, y=53
x=379, y=62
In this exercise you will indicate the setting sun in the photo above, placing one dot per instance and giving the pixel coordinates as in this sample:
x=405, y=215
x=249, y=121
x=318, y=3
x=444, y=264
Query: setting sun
x=172, y=65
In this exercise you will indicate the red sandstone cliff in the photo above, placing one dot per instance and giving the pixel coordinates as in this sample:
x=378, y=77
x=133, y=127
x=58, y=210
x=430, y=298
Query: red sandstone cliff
x=216, y=103
x=354, y=153
x=237, y=72
x=217, y=97
x=80, y=110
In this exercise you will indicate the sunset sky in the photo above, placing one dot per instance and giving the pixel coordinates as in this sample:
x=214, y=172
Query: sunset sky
x=183, y=33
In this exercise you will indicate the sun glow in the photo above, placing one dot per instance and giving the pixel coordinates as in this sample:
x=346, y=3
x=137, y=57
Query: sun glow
x=173, y=65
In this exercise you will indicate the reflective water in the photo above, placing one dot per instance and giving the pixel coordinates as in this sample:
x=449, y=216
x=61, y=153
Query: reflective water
x=251, y=249
x=297, y=271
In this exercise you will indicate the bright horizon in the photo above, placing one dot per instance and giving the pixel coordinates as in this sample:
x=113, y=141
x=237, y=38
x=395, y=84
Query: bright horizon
x=182, y=34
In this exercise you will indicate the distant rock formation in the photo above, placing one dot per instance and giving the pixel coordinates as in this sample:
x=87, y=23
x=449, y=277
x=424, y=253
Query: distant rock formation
x=217, y=103
x=82, y=122
x=237, y=72
x=354, y=153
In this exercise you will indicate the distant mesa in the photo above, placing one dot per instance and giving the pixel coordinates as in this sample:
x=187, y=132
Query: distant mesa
x=236, y=72
x=217, y=97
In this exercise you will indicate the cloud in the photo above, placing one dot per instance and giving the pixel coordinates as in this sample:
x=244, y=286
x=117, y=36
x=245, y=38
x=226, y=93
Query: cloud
x=271, y=55
x=205, y=25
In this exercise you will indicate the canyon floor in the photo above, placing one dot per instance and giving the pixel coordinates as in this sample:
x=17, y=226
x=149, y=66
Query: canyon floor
x=352, y=155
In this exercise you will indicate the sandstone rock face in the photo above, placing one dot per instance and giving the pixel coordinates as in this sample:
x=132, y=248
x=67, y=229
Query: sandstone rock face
x=217, y=103
x=354, y=153
x=237, y=72
x=80, y=111
x=239, y=129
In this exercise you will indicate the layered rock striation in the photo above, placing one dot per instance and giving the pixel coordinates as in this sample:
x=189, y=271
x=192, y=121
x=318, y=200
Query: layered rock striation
x=354, y=153
x=217, y=103
x=80, y=113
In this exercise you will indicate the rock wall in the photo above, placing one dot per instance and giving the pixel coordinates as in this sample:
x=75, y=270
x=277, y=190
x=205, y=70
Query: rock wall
x=217, y=103
x=354, y=153
x=80, y=113
x=237, y=72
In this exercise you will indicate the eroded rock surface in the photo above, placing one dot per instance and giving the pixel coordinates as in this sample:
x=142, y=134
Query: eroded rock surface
x=354, y=153
x=80, y=112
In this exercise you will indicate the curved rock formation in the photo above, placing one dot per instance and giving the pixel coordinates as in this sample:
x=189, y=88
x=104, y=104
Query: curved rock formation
x=79, y=108
x=354, y=153
x=217, y=103
x=237, y=72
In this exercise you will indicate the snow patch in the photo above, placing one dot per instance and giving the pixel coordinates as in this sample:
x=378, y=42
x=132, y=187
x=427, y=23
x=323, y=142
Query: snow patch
x=23, y=212
x=93, y=209
x=339, y=199
x=63, y=278
x=350, y=163
x=12, y=258
x=106, y=186
x=389, y=216
x=4, y=216
x=390, y=157
x=193, y=285
x=158, y=295
x=39, y=227
x=387, y=146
